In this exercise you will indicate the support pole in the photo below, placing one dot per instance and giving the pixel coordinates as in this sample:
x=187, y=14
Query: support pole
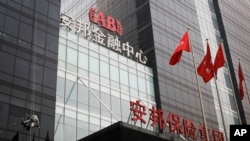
x=221, y=111
x=200, y=95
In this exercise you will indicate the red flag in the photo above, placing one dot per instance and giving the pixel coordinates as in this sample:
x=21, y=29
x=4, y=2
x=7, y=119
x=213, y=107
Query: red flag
x=183, y=45
x=219, y=60
x=241, y=78
x=205, y=69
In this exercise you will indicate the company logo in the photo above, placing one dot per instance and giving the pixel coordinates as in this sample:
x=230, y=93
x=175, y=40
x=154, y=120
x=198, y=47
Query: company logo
x=107, y=22
x=239, y=132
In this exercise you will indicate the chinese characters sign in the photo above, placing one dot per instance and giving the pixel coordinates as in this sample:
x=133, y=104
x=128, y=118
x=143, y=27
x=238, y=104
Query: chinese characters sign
x=95, y=34
x=176, y=125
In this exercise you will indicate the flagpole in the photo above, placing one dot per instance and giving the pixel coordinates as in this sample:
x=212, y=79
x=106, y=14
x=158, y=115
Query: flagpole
x=231, y=84
x=220, y=105
x=200, y=95
x=222, y=115
x=245, y=83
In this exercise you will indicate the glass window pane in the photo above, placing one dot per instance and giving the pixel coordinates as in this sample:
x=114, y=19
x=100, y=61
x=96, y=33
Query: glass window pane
x=133, y=81
x=94, y=65
x=114, y=73
x=94, y=102
x=69, y=133
x=124, y=77
x=51, y=43
x=72, y=37
x=94, y=54
x=71, y=56
x=70, y=90
x=142, y=85
x=59, y=132
x=25, y=32
x=104, y=69
x=150, y=88
x=116, y=105
x=22, y=68
x=94, y=120
x=70, y=121
x=83, y=42
x=72, y=45
x=60, y=86
x=11, y=26
x=81, y=133
x=104, y=58
x=42, y=7
x=53, y=11
x=113, y=55
x=60, y=112
x=83, y=117
x=62, y=52
x=83, y=94
x=106, y=100
x=62, y=41
x=83, y=60
x=70, y=113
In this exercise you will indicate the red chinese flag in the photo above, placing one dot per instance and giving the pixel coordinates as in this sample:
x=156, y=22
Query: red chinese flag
x=241, y=79
x=183, y=45
x=219, y=59
x=205, y=69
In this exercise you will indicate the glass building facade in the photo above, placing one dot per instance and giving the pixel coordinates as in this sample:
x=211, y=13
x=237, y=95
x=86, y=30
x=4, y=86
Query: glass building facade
x=95, y=86
x=156, y=27
x=77, y=86
x=29, y=33
x=236, y=41
x=179, y=83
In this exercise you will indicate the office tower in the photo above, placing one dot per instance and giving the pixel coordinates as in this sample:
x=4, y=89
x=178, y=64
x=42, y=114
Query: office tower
x=155, y=28
x=29, y=31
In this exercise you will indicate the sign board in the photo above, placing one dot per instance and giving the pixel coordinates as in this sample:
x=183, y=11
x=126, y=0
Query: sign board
x=174, y=122
x=95, y=33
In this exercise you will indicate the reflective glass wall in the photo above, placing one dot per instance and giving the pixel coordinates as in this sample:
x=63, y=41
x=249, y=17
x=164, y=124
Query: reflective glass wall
x=29, y=31
x=177, y=84
x=235, y=18
x=210, y=30
x=155, y=26
x=94, y=87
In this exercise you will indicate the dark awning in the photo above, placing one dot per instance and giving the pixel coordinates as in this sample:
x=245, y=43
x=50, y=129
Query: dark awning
x=121, y=131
